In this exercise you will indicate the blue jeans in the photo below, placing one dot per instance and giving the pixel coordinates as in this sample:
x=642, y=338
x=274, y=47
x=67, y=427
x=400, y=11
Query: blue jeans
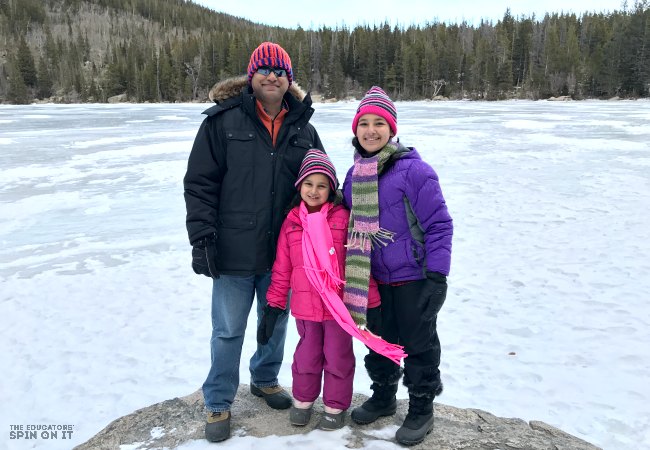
x=232, y=298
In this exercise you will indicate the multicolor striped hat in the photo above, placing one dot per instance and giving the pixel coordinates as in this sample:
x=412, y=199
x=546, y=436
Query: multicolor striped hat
x=376, y=101
x=271, y=55
x=316, y=161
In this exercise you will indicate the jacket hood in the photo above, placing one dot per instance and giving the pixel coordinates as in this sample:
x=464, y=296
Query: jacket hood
x=406, y=153
x=232, y=87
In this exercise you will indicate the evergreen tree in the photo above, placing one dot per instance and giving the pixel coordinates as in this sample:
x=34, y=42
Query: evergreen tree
x=521, y=51
x=165, y=76
x=25, y=63
x=300, y=60
x=334, y=80
x=44, y=79
x=93, y=92
x=148, y=81
x=51, y=53
x=505, y=39
x=114, y=82
x=17, y=92
x=634, y=58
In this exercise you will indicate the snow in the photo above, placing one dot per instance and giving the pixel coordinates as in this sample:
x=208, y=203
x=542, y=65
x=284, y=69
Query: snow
x=546, y=316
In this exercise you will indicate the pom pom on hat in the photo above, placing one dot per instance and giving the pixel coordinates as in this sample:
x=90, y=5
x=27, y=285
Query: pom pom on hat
x=376, y=101
x=271, y=55
x=317, y=161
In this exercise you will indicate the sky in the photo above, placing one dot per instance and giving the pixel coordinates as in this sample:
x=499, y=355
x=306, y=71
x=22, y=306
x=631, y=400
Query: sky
x=404, y=13
x=546, y=314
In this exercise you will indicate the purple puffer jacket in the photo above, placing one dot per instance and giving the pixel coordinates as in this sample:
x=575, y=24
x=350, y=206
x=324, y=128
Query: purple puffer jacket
x=406, y=259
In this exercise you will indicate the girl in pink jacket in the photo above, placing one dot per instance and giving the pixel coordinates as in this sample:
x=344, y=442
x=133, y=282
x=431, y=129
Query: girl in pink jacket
x=324, y=351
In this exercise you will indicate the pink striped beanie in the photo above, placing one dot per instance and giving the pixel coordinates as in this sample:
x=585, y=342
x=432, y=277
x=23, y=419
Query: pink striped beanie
x=376, y=101
x=317, y=161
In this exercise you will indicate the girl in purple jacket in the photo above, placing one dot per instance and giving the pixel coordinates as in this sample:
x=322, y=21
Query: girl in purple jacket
x=399, y=233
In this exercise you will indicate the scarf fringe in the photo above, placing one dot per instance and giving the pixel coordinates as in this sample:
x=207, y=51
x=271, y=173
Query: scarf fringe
x=359, y=239
x=394, y=352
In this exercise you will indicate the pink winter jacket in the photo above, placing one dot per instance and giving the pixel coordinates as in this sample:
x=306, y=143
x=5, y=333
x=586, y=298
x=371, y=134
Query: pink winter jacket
x=288, y=272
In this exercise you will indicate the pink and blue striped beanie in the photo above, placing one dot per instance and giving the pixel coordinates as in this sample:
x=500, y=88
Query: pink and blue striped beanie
x=376, y=101
x=317, y=161
x=270, y=55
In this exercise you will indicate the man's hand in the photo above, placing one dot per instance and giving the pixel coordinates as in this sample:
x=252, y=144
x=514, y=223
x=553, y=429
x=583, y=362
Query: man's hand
x=204, y=256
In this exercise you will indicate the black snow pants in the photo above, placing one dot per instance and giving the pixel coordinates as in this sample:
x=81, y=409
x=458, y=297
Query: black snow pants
x=401, y=319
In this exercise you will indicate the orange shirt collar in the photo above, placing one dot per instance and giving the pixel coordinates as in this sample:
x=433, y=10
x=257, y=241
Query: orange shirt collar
x=272, y=124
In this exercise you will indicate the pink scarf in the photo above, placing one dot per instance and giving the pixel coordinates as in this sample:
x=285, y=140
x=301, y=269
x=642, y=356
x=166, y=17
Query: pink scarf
x=322, y=269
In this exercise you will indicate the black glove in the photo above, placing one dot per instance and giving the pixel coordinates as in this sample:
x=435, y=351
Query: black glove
x=204, y=256
x=433, y=293
x=267, y=324
x=373, y=319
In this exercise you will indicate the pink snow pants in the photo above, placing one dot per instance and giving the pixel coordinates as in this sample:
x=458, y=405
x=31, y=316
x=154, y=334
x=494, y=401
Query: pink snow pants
x=324, y=351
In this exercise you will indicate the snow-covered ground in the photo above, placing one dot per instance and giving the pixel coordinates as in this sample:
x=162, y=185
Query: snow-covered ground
x=547, y=316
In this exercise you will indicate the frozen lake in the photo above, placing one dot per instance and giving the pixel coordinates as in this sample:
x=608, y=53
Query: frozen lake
x=547, y=315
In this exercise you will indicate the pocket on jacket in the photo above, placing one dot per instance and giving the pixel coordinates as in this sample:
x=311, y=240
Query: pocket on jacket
x=294, y=240
x=405, y=255
x=299, y=281
x=296, y=151
x=339, y=230
x=417, y=250
x=240, y=135
x=241, y=144
x=302, y=142
x=294, y=235
x=240, y=221
x=236, y=241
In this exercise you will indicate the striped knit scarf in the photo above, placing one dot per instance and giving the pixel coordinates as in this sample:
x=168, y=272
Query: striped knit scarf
x=363, y=230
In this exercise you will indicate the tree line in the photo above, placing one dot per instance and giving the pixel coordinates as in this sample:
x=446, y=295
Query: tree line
x=175, y=51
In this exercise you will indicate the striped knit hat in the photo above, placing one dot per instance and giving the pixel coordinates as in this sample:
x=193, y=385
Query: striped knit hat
x=316, y=161
x=376, y=101
x=271, y=55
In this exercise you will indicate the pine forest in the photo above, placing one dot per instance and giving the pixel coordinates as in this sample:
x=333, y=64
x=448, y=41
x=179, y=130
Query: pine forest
x=75, y=51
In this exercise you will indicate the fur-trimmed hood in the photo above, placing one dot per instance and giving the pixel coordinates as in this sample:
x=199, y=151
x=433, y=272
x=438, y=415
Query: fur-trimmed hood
x=232, y=87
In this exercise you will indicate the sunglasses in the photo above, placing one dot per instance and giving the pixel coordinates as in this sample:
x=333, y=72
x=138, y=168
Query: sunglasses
x=266, y=71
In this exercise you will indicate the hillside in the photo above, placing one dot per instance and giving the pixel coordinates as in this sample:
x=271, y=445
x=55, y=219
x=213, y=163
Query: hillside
x=175, y=50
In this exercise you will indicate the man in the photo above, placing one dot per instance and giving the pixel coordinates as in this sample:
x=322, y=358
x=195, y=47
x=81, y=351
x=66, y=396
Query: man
x=240, y=178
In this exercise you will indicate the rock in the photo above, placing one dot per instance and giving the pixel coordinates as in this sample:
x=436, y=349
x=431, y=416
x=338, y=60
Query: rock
x=174, y=422
x=121, y=98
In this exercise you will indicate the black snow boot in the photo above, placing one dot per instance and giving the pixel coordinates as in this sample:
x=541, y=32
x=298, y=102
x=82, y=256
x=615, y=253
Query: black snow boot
x=418, y=422
x=382, y=403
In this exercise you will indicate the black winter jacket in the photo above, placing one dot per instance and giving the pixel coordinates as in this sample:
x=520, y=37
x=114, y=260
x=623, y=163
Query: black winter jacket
x=237, y=184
